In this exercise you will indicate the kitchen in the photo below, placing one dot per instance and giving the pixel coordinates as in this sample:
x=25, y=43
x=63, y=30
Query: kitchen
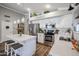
x=29, y=33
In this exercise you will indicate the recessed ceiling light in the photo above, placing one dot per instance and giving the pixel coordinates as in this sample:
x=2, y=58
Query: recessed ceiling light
x=18, y=3
x=14, y=22
x=28, y=9
x=48, y=6
x=18, y=21
x=22, y=19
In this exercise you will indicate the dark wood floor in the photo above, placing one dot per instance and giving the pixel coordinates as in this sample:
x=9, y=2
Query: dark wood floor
x=42, y=50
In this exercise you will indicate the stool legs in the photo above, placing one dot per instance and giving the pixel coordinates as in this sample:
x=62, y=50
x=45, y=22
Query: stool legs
x=12, y=50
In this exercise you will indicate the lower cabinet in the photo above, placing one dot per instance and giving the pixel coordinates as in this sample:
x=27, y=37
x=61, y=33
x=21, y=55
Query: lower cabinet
x=41, y=37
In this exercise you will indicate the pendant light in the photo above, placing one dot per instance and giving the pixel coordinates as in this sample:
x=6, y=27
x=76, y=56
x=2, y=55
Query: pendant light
x=70, y=8
x=76, y=4
x=77, y=17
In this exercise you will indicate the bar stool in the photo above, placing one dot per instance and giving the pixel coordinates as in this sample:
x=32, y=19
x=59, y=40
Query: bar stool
x=15, y=47
x=3, y=49
x=8, y=43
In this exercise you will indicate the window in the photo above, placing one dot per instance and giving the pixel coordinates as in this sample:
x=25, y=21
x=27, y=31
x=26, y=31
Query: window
x=77, y=27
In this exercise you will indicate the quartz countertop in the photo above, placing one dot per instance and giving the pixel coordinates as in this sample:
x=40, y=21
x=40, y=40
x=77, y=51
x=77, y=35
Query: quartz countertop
x=18, y=38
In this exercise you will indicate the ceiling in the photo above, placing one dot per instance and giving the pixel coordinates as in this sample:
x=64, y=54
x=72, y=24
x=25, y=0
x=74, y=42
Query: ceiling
x=35, y=7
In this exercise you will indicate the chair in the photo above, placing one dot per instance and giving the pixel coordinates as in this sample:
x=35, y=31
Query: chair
x=14, y=47
x=3, y=49
x=8, y=43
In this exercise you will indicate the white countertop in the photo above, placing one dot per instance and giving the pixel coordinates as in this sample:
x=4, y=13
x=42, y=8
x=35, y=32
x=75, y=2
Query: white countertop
x=18, y=38
x=62, y=48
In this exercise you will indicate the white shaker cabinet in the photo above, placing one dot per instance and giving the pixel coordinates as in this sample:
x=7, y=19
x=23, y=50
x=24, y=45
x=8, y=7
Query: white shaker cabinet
x=41, y=37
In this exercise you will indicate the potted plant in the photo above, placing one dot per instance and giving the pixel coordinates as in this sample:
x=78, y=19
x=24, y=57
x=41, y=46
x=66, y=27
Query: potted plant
x=41, y=31
x=46, y=12
x=34, y=14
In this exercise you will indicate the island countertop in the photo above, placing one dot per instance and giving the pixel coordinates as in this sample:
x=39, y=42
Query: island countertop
x=18, y=38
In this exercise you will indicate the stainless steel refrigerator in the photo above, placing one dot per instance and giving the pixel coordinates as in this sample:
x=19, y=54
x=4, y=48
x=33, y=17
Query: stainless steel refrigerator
x=33, y=29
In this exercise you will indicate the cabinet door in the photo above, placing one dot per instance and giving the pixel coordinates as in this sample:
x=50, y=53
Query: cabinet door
x=40, y=38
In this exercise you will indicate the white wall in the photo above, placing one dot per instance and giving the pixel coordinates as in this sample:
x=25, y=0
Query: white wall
x=13, y=16
x=4, y=30
x=64, y=21
x=43, y=22
x=75, y=22
x=76, y=11
x=0, y=31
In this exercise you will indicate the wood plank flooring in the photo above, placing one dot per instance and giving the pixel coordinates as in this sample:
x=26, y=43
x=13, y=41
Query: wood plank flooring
x=42, y=50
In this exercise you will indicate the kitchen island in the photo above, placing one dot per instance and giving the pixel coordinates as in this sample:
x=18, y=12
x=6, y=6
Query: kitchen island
x=62, y=48
x=28, y=42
